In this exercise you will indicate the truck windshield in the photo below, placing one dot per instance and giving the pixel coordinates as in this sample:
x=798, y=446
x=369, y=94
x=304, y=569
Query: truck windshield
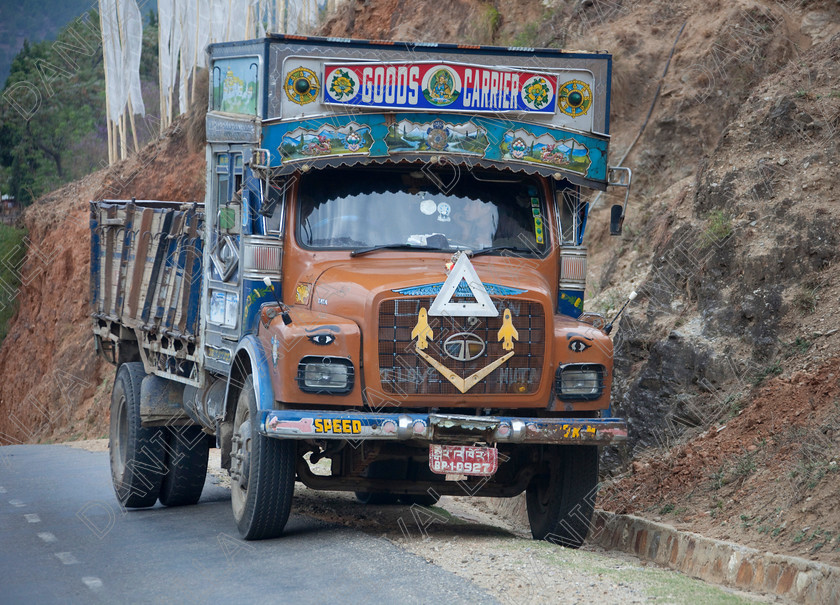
x=360, y=208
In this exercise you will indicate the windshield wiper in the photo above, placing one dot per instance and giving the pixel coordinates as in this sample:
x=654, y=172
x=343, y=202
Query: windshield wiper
x=501, y=249
x=360, y=251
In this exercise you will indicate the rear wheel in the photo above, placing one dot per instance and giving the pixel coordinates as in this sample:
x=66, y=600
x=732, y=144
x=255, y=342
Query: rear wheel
x=561, y=500
x=186, y=466
x=262, y=473
x=137, y=453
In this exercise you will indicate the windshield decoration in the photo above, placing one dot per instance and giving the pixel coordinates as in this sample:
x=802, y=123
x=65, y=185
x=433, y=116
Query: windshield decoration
x=235, y=90
x=302, y=86
x=523, y=146
x=461, y=291
x=406, y=136
x=463, y=273
x=439, y=86
x=539, y=235
x=575, y=98
x=351, y=138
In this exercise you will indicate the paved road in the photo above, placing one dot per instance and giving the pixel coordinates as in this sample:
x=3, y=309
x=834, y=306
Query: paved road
x=63, y=539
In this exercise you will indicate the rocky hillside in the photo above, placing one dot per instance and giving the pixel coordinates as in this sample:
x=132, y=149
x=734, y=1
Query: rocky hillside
x=726, y=363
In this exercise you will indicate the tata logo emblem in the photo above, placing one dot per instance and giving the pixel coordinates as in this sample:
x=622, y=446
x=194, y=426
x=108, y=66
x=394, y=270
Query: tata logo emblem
x=463, y=346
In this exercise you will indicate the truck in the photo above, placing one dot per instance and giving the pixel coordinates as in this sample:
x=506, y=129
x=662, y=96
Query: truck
x=382, y=291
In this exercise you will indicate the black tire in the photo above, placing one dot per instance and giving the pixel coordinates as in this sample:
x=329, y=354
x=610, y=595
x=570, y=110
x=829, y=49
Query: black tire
x=137, y=454
x=376, y=498
x=561, y=500
x=421, y=499
x=186, y=466
x=382, y=469
x=262, y=473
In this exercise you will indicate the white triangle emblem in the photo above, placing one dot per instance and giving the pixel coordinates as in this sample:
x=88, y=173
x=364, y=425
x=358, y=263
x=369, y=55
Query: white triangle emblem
x=463, y=271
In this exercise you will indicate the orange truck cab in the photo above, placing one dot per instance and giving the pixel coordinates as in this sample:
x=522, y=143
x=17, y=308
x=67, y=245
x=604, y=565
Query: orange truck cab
x=383, y=291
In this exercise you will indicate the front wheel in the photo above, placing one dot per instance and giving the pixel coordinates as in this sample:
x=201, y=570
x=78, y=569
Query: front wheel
x=560, y=501
x=262, y=473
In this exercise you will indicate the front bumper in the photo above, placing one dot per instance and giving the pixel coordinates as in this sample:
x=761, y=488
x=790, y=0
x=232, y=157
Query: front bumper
x=440, y=428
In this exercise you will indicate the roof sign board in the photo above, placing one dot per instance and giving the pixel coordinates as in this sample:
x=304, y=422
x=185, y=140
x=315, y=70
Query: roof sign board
x=437, y=86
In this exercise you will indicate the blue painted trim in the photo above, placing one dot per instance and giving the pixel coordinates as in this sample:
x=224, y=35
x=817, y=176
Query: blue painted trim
x=582, y=228
x=94, y=259
x=609, y=91
x=273, y=133
x=180, y=266
x=461, y=290
x=194, y=303
x=570, y=303
x=264, y=80
x=254, y=294
x=128, y=235
x=156, y=266
x=260, y=373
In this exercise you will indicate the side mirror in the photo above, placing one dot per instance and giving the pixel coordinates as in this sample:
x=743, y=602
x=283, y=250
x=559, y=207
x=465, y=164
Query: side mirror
x=616, y=219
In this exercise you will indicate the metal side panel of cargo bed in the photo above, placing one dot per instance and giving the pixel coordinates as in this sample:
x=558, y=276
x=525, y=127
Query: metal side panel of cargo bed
x=146, y=279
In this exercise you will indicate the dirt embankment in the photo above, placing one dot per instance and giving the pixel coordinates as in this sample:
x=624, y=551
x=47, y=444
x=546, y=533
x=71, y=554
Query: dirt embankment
x=54, y=387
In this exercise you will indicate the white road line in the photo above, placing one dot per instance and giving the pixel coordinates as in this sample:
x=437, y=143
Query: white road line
x=33, y=518
x=47, y=536
x=17, y=503
x=67, y=558
x=92, y=582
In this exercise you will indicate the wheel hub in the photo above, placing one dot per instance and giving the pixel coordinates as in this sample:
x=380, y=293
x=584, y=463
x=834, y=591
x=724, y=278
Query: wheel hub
x=240, y=466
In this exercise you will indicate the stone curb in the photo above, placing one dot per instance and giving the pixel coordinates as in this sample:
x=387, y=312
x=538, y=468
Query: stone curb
x=717, y=561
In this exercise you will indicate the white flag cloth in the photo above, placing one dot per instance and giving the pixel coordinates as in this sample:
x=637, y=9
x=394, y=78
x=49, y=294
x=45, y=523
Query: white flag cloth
x=132, y=47
x=203, y=39
x=112, y=55
x=167, y=78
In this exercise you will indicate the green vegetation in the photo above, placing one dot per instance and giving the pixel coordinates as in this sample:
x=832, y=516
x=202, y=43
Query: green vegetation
x=33, y=20
x=658, y=585
x=745, y=466
x=12, y=251
x=720, y=225
x=527, y=38
x=806, y=300
x=52, y=109
x=48, y=105
x=802, y=345
x=773, y=369
x=810, y=471
x=492, y=20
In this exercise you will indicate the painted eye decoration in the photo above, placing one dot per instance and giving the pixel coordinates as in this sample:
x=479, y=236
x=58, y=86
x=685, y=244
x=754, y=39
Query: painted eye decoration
x=578, y=346
x=322, y=339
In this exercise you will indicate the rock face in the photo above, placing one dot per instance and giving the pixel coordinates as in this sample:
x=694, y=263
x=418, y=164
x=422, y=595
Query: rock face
x=750, y=270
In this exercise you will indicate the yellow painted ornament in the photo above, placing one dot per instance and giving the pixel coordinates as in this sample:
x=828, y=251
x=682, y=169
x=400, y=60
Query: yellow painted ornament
x=507, y=332
x=422, y=331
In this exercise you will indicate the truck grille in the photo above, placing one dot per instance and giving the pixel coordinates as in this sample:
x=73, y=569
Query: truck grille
x=403, y=371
